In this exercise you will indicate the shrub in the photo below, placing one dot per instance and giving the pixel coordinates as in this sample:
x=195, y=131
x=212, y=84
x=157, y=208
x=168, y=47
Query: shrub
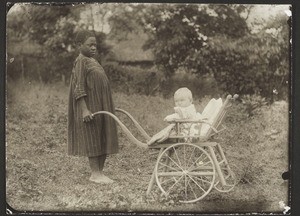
x=253, y=103
x=200, y=86
x=129, y=79
x=151, y=81
x=118, y=77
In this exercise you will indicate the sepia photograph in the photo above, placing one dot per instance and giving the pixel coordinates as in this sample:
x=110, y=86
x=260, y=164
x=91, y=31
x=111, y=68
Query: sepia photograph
x=148, y=108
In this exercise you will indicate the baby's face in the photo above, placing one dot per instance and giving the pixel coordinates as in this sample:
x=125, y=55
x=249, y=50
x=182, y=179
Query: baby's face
x=182, y=101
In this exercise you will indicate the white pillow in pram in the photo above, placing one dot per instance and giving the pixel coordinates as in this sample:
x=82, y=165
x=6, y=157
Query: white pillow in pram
x=210, y=112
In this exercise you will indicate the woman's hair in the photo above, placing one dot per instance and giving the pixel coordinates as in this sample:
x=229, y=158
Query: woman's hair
x=184, y=91
x=82, y=36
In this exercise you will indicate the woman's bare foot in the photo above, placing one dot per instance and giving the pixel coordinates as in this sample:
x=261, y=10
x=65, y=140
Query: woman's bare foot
x=99, y=177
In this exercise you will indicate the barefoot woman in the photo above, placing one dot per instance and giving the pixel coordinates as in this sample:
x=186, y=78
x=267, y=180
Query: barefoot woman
x=88, y=135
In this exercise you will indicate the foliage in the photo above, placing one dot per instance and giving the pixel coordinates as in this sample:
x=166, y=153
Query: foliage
x=178, y=31
x=53, y=27
x=202, y=39
x=50, y=26
x=241, y=62
x=133, y=79
x=253, y=103
x=215, y=39
x=125, y=19
x=102, y=47
x=253, y=64
x=117, y=76
x=149, y=81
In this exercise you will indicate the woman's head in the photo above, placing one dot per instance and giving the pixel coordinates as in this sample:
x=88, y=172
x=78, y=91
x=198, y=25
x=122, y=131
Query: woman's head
x=183, y=97
x=86, y=42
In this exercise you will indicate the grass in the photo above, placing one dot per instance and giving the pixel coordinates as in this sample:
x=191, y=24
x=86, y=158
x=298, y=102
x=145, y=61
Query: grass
x=41, y=176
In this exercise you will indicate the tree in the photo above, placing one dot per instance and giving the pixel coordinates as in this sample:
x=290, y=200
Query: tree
x=253, y=64
x=53, y=28
x=213, y=39
x=178, y=31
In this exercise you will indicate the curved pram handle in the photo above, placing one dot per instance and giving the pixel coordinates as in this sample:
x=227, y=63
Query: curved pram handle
x=142, y=131
x=124, y=128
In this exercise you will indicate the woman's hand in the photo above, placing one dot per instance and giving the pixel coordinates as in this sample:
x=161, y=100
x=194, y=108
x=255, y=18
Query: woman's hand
x=87, y=115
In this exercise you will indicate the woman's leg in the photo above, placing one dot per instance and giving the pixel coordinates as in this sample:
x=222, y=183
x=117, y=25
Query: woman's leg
x=95, y=168
x=97, y=165
x=94, y=164
x=102, y=159
x=104, y=178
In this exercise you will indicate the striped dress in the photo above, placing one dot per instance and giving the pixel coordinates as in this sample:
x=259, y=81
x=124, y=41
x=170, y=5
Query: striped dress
x=98, y=136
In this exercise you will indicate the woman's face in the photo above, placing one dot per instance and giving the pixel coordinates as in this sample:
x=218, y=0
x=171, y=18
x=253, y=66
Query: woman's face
x=89, y=47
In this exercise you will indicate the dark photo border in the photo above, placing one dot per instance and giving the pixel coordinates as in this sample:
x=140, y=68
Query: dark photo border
x=294, y=135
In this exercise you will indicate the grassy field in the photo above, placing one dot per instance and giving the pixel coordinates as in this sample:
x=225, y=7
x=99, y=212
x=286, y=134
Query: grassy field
x=40, y=176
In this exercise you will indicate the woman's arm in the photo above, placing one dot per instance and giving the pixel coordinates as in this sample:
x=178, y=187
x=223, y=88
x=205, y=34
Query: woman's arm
x=79, y=91
x=80, y=78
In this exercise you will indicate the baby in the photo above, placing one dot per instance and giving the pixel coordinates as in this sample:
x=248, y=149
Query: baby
x=185, y=109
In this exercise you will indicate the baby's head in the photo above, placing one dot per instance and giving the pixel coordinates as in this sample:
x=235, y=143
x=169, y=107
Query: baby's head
x=183, y=97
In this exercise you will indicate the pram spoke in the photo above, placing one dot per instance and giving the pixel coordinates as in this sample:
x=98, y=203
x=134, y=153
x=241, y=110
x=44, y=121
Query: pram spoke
x=173, y=185
x=175, y=152
x=167, y=166
x=197, y=184
x=192, y=190
x=191, y=156
x=170, y=158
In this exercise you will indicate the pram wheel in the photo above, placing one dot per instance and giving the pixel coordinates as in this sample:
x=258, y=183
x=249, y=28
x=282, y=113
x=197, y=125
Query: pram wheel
x=229, y=177
x=185, y=171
